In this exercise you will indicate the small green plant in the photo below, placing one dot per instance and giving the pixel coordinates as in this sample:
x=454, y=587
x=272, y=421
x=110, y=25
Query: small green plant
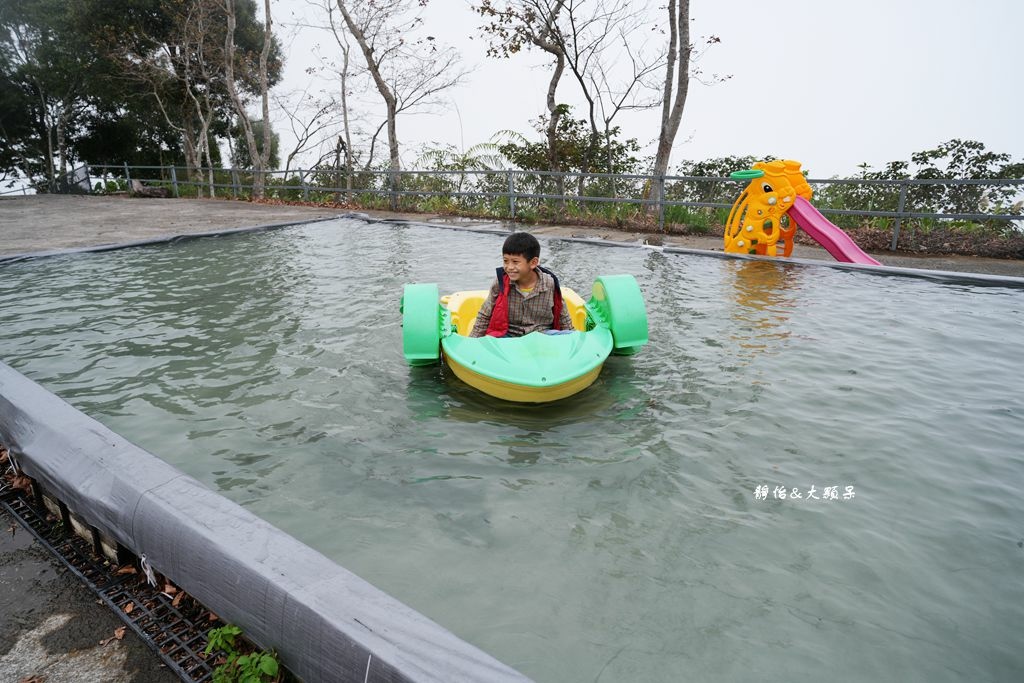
x=254, y=667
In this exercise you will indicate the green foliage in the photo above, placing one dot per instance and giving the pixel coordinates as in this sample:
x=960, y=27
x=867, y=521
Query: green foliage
x=483, y=156
x=955, y=159
x=87, y=72
x=46, y=63
x=719, y=167
x=253, y=667
x=577, y=149
x=111, y=186
x=698, y=221
x=16, y=124
x=240, y=157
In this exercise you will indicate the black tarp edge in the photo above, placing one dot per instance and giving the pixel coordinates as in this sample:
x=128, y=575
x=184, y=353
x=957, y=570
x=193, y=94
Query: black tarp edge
x=945, y=276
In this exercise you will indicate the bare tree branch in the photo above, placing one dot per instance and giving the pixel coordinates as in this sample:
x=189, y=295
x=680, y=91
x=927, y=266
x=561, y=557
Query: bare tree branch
x=408, y=72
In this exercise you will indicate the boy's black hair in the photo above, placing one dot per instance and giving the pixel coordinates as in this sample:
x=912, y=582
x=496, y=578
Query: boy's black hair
x=521, y=244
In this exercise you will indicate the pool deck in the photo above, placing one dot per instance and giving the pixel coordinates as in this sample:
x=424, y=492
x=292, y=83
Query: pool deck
x=42, y=223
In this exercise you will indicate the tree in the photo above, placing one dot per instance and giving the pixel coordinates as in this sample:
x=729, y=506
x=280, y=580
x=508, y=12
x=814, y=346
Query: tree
x=183, y=82
x=710, y=191
x=677, y=81
x=409, y=72
x=574, y=142
x=241, y=155
x=598, y=37
x=76, y=49
x=525, y=23
x=115, y=133
x=309, y=118
x=591, y=38
x=344, y=143
x=15, y=113
x=48, y=62
x=955, y=159
x=965, y=160
x=259, y=152
x=71, y=73
x=175, y=49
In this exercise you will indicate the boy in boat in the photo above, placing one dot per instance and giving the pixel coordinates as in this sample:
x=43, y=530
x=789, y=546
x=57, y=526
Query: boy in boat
x=525, y=297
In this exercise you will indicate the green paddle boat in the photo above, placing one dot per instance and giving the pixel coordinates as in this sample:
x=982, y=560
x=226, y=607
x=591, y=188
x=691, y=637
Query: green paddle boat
x=537, y=367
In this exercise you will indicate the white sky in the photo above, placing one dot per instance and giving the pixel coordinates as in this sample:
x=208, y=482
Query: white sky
x=830, y=83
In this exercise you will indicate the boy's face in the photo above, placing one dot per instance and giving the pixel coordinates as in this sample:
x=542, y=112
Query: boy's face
x=516, y=266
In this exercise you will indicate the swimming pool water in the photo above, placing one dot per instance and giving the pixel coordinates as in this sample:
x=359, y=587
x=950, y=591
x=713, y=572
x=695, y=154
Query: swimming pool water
x=619, y=535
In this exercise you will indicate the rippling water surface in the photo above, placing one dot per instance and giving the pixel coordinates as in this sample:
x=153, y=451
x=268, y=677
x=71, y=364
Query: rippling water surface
x=617, y=535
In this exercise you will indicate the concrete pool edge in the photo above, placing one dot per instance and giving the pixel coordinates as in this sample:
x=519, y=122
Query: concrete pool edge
x=327, y=623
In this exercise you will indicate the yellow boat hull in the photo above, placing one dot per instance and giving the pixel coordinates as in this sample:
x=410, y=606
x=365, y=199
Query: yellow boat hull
x=518, y=392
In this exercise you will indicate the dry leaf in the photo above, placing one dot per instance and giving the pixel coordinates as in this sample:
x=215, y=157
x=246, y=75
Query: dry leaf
x=118, y=635
x=127, y=569
x=129, y=607
x=170, y=589
x=177, y=599
x=33, y=679
x=212, y=617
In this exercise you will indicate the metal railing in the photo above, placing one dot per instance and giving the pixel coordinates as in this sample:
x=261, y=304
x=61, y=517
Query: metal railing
x=545, y=195
x=24, y=190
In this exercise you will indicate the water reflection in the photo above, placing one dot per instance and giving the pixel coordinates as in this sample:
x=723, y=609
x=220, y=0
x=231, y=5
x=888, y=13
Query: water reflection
x=763, y=294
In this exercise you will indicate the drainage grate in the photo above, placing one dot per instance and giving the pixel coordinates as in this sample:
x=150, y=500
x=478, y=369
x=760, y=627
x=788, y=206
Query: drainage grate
x=176, y=632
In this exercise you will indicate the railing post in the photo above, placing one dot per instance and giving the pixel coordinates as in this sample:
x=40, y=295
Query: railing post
x=392, y=189
x=661, y=203
x=899, y=217
x=174, y=181
x=305, y=186
x=234, y=183
x=511, y=195
x=563, y=177
x=127, y=178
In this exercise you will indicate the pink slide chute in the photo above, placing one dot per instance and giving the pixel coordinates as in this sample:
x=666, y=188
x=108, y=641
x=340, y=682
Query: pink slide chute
x=835, y=241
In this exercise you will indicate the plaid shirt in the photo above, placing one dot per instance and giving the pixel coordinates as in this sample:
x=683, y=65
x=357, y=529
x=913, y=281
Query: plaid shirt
x=526, y=312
